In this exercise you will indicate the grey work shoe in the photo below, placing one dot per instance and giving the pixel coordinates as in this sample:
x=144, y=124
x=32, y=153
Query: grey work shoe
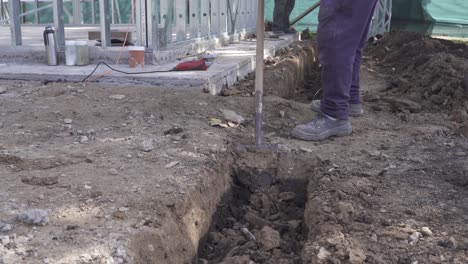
x=355, y=110
x=322, y=127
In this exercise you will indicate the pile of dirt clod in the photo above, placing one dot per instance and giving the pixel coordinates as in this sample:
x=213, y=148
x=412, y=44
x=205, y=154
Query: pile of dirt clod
x=258, y=225
x=422, y=69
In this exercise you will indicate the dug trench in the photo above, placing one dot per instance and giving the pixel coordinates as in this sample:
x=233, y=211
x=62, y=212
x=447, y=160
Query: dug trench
x=251, y=210
x=260, y=219
x=251, y=207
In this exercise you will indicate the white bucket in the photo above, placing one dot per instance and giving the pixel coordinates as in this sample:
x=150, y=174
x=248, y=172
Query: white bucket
x=70, y=52
x=82, y=53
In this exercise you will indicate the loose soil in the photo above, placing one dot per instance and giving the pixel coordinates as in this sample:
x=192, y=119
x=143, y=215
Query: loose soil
x=140, y=178
x=426, y=70
x=261, y=219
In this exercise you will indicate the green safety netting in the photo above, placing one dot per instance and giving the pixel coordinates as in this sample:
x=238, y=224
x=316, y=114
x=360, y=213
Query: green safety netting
x=435, y=17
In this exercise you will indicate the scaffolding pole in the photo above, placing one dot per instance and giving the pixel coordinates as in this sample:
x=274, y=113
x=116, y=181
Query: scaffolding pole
x=59, y=23
x=36, y=3
x=77, y=12
x=152, y=15
x=15, y=22
x=105, y=23
x=2, y=10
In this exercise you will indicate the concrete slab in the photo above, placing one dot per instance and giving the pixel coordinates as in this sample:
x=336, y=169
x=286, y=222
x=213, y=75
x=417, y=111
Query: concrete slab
x=232, y=64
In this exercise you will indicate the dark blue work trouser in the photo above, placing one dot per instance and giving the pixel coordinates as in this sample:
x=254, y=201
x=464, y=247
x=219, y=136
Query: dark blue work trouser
x=342, y=32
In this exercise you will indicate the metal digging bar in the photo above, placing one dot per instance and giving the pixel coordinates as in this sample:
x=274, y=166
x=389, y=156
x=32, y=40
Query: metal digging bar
x=305, y=13
x=259, y=75
x=259, y=147
x=260, y=64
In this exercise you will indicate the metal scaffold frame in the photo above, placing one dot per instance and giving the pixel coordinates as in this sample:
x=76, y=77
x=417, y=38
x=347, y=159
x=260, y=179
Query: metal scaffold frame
x=382, y=18
x=158, y=24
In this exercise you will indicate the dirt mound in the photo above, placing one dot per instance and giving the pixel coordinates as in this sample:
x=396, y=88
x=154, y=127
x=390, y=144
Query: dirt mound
x=428, y=71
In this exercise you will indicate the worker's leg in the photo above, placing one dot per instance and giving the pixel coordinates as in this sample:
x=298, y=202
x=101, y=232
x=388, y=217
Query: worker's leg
x=289, y=9
x=355, y=97
x=342, y=23
x=279, y=15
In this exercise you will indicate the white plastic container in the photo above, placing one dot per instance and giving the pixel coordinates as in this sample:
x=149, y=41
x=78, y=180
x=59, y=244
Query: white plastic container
x=82, y=53
x=70, y=52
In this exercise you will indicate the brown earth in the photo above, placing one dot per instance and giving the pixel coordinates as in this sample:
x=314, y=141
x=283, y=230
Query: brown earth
x=137, y=178
x=426, y=70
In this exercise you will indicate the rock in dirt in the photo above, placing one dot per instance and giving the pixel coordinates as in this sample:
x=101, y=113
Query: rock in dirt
x=113, y=171
x=215, y=122
x=454, y=242
x=4, y=227
x=286, y=196
x=414, y=238
x=40, y=181
x=345, y=211
x=232, y=116
x=323, y=254
x=426, y=231
x=119, y=254
x=269, y=238
x=4, y=240
x=255, y=220
x=247, y=234
x=147, y=145
x=37, y=217
x=401, y=105
x=117, y=97
x=68, y=121
x=124, y=209
x=294, y=224
x=84, y=139
x=463, y=129
x=11, y=258
x=356, y=256
x=172, y=164
x=174, y=131
x=448, y=243
x=3, y=90
x=216, y=237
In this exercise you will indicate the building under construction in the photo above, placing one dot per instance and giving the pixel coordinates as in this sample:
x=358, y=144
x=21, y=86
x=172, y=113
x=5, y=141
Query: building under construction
x=166, y=28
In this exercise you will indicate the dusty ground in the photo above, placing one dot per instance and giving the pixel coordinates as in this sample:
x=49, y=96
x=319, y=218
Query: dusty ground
x=133, y=174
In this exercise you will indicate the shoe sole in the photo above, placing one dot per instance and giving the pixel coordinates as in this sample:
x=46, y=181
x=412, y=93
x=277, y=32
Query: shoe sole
x=317, y=109
x=340, y=131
